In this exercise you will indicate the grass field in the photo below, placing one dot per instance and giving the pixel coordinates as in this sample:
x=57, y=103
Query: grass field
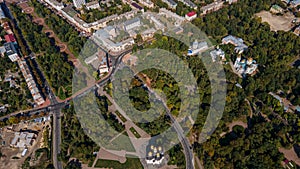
x=131, y=163
x=123, y=143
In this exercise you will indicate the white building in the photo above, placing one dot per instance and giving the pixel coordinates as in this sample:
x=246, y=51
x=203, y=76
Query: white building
x=155, y=155
x=189, y=3
x=78, y=3
x=92, y=5
x=103, y=37
x=2, y=15
x=57, y=5
x=197, y=47
x=37, y=97
x=11, y=51
x=172, y=4
x=170, y=14
x=212, y=7
x=245, y=66
x=217, y=53
x=191, y=16
x=23, y=139
x=147, y=3
x=240, y=47
x=131, y=24
x=295, y=3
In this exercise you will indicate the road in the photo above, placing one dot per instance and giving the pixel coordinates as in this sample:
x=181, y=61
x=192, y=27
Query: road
x=55, y=107
x=187, y=148
x=56, y=139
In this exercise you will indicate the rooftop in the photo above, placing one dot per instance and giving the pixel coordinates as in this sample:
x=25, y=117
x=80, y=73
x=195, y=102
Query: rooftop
x=212, y=5
x=92, y=3
x=10, y=38
x=137, y=6
x=192, y=13
x=129, y=22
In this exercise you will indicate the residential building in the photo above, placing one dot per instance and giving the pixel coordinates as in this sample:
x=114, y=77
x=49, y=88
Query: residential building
x=10, y=38
x=103, y=37
x=212, y=7
x=37, y=97
x=78, y=3
x=231, y=1
x=147, y=34
x=216, y=54
x=189, y=3
x=158, y=25
x=23, y=139
x=245, y=66
x=276, y=9
x=93, y=5
x=2, y=50
x=240, y=47
x=72, y=16
x=178, y=30
x=147, y=3
x=197, y=47
x=99, y=61
x=170, y=14
x=2, y=15
x=11, y=51
x=297, y=31
x=191, y=16
x=56, y=5
x=137, y=6
x=295, y=3
x=6, y=27
x=172, y=4
x=286, y=1
x=131, y=24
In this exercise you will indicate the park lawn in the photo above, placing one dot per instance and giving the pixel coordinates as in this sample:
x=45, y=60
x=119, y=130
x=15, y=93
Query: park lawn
x=123, y=143
x=131, y=163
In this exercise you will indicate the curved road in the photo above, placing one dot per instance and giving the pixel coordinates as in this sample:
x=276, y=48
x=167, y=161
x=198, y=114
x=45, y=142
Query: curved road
x=187, y=148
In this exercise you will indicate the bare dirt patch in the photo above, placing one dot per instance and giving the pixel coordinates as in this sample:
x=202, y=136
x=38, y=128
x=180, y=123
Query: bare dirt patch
x=39, y=21
x=49, y=33
x=276, y=23
x=235, y=123
x=62, y=47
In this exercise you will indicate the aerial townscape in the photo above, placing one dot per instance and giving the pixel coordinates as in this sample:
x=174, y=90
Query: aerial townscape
x=60, y=58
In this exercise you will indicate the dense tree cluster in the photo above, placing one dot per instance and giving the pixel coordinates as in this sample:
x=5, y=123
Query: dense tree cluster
x=62, y=29
x=139, y=96
x=270, y=127
x=257, y=146
x=49, y=56
x=176, y=156
x=18, y=97
x=110, y=118
x=75, y=143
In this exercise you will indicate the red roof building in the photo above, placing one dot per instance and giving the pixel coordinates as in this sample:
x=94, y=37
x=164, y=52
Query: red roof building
x=191, y=15
x=10, y=38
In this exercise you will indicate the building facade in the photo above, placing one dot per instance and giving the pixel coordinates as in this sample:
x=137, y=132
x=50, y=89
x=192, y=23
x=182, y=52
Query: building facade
x=93, y=5
x=78, y=3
